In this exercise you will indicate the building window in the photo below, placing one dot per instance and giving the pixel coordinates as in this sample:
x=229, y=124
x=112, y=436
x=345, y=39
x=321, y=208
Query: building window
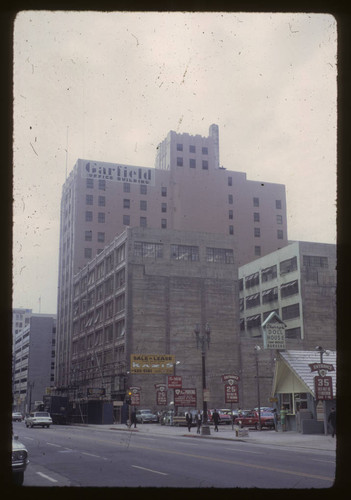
x=88, y=216
x=269, y=273
x=164, y=207
x=101, y=217
x=88, y=253
x=179, y=161
x=290, y=312
x=315, y=261
x=185, y=252
x=164, y=223
x=256, y=202
x=230, y=214
x=101, y=237
x=252, y=280
x=126, y=187
x=90, y=183
x=204, y=165
x=221, y=255
x=288, y=289
x=288, y=265
x=192, y=163
x=253, y=300
x=88, y=235
x=153, y=250
x=257, y=250
x=253, y=321
x=204, y=151
x=102, y=184
x=120, y=303
x=293, y=333
x=89, y=199
x=256, y=217
x=279, y=219
x=270, y=295
x=278, y=204
x=143, y=222
x=163, y=191
x=230, y=181
x=267, y=313
x=126, y=203
x=179, y=147
x=231, y=229
x=241, y=284
x=230, y=199
x=192, y=149
x=143, y=189
x=280, y=234
x=126, y=220
x=257, y=232
x=143, y=205
x=102, y=201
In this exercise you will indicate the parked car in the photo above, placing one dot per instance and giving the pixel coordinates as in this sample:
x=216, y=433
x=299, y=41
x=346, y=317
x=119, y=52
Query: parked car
x=179, y=420
x=17, y=416
x=146, y=416
x=38, y=418
x=19, y=460
x=250, y=419
x=224, y=417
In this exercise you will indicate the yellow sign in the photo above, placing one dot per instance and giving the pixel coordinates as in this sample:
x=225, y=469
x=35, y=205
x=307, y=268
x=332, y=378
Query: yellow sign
x=152, y=363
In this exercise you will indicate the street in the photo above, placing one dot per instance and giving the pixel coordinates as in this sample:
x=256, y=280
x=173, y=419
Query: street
x=83, y=456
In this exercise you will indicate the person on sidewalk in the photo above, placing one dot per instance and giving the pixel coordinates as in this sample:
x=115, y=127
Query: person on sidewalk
x=198, y=420
x=275, y=417
x=216, y=419
x=189, y=420
x=332, y=420
x=133, y=418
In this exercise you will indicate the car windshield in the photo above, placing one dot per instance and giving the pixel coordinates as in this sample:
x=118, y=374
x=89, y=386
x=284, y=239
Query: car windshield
x=41, y=414
x=266, y=414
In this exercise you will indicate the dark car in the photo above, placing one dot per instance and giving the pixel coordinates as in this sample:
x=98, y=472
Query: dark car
x=250, y=419
x=19, y=460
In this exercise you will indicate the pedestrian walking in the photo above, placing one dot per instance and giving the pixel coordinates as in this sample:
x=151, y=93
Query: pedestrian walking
x=198, y=420
x=189, y=420
x=332, y=420
x=133, y=418
x=216, y=419
x=275, y=418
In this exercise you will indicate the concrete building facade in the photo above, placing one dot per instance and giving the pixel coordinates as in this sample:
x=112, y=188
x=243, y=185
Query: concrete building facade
x=298, y=282
x=186, y=191
x=144, y=294
x=33, y=361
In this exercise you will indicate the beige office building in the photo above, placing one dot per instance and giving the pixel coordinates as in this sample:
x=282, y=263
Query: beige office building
x=187, y=190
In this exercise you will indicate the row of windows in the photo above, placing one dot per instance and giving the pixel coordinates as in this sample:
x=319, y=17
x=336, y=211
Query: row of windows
x=102, y=336
x=192, y=163
x=101, y=184
x=89, y=200
x=256, y=201
x=257, y=233
x=255, y=321
x=256, y=217
x=269, y=273
x=101, y=216
x=270, y=295
x=143, y=222
x=183, y=252
x=192, y=149
x=88, y=236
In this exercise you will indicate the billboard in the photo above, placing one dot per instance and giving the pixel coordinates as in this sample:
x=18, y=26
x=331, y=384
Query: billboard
x=152, y=363
x=185, y=397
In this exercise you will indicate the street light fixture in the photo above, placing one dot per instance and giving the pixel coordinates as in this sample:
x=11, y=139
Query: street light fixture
x=203, y=340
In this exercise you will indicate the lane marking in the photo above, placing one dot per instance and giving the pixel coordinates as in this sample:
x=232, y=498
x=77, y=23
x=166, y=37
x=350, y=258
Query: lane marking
x=30, y=439
x=47, y=477
x=235, y=462
x=53, y=444
x=150, y=470
x=324, y=461
x=90, y=454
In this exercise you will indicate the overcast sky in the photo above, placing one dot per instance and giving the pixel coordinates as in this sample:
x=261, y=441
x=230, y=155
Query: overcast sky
x=110, y=86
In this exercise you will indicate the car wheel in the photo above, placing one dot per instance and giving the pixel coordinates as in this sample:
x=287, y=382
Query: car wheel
x=18, y=478
x=48, y=426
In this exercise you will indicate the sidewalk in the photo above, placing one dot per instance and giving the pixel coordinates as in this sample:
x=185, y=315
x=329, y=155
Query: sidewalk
x=269, y=437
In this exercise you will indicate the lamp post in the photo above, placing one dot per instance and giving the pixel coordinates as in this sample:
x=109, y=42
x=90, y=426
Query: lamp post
x=203, y=340
x=322, y=351
x=175, y=373
x=257, y=350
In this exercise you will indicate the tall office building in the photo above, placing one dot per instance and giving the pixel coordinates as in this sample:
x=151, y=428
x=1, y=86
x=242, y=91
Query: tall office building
x=187, y=190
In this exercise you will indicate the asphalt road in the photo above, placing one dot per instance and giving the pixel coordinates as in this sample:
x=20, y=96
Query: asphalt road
x=82, y=456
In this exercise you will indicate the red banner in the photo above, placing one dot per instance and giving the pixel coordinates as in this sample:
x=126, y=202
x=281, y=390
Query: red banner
x=323, y=387
x=231, y=393
x=174, y=382
x=185, y=397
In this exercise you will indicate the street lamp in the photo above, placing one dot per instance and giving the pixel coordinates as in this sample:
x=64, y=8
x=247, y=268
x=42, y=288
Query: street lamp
x=203, y=340
x=257, y=350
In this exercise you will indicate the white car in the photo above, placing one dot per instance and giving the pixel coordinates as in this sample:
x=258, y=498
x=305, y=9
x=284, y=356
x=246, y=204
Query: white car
x=38, y=418
x=19, y=460
x=16, y=416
